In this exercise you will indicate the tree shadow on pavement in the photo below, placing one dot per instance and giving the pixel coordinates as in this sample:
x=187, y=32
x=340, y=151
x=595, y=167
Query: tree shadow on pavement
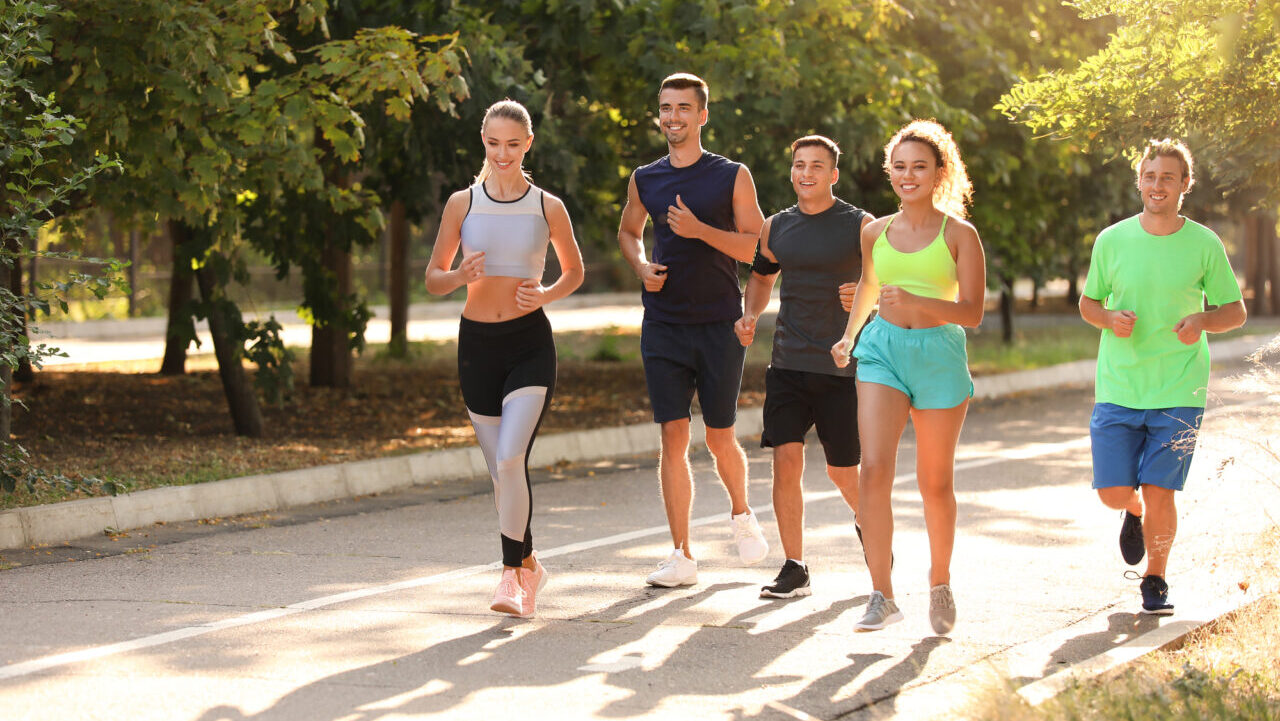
x=878, y=695
x=1121, y=628
x=510, y=653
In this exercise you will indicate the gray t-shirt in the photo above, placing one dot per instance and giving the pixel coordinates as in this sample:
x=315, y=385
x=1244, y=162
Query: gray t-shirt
x=817, y=254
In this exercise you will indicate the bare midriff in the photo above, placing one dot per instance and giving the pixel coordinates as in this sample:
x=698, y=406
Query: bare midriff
x=492, y=299
x=904, y=318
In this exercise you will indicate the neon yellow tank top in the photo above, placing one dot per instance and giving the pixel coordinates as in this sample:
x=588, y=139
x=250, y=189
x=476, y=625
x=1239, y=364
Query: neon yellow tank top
x=928, y=272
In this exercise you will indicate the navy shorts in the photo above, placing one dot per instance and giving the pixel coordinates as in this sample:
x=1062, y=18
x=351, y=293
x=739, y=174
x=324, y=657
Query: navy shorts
x=796, y=401
x=680, y=359
x=1139, y=447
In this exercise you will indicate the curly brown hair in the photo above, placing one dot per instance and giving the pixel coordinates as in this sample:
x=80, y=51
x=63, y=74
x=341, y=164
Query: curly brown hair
x=953, y=191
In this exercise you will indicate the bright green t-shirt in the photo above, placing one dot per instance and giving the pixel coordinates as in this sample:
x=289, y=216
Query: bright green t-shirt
x=1163, y=279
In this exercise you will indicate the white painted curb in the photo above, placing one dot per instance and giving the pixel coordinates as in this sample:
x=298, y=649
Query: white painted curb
x=62, y=522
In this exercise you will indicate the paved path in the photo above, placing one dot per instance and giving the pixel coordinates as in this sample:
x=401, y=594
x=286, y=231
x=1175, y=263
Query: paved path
x=364, y=610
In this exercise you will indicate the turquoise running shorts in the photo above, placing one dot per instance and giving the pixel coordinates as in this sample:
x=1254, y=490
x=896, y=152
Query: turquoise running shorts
x=929, y=365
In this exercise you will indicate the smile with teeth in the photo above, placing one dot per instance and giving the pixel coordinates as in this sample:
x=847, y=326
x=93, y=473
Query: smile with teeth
x=908, y=187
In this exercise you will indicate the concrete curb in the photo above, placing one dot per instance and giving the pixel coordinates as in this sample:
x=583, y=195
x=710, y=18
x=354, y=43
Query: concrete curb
x=1115, y=660
x=62, y=522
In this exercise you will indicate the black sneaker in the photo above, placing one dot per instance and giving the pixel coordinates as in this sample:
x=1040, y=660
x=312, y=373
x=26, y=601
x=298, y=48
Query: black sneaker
x=1132, y=547
x=1155, y=596
x=792, y=581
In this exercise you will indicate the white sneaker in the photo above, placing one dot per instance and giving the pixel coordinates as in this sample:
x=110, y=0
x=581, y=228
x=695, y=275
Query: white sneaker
x=677, y=570
x=752, y=548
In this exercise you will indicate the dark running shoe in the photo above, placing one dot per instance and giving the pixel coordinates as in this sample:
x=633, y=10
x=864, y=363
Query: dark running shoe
x=792, y=582
x=1155, y=596
x=1132, y=547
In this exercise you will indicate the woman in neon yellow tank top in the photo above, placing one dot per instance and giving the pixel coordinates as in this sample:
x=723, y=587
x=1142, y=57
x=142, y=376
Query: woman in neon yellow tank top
x=925, y=264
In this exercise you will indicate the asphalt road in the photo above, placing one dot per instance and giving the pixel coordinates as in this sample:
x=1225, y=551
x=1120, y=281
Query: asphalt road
x=377, y=608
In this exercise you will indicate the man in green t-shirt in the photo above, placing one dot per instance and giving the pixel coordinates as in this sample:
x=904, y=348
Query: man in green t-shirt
x=1149, y=282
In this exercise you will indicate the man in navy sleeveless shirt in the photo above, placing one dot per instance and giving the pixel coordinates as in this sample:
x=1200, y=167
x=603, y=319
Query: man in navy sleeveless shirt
x=705, y=221
x=817, y=243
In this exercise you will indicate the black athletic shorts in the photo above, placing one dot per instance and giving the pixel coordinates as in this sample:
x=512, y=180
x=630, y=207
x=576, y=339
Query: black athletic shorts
x=796, y=401
x=680, y=358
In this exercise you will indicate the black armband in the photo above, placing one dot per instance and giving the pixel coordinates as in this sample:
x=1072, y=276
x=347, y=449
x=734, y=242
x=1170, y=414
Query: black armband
x=762, y=265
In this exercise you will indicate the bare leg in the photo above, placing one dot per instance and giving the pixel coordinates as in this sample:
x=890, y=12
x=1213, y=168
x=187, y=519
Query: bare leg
x=882, y=415
x=676, y=479
x=846, y=480
x=937, y=433
x=788, y=497
x=731, y=465
x=1159, y=527
x=1121, y=498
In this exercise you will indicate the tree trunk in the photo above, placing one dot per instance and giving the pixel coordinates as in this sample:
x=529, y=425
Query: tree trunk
x=1267, y=237
x=1006, y=310
x=1035, y=293
x=331, y=359
x=1073, y=285
x=398, y=270
x=246, y=414
x=180, y=293
x=133, y=273
x=24, y=373
x=6, y=377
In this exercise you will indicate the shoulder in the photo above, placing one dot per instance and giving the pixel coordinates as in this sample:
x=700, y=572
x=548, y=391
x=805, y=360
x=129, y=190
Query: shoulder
x=852, y=211
x=1118, y=230
x=459, y=202
x=1202, y=233
x=960, y=230
x=659, y=164
x=877, y=226
x=552, y=204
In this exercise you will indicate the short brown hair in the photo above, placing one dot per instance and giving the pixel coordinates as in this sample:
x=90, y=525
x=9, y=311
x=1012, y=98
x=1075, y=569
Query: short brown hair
x=818, y=141
x=681, y=81
x=1168, y=148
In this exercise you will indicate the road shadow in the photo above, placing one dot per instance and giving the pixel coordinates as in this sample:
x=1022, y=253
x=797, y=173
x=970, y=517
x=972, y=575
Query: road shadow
x=1121, y=628
x=513, y=653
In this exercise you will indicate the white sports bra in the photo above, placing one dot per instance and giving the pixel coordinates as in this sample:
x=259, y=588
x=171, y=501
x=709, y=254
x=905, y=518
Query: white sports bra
x=513, y=234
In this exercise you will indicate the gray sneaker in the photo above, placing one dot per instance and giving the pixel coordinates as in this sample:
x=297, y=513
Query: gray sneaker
x=942, y=609
x=881, y=612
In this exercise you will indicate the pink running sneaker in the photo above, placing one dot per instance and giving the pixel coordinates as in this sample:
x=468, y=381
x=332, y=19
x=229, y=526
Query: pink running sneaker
x=509, y=598
x=532, y=581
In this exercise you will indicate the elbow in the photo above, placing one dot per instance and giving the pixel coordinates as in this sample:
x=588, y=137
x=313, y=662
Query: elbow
x=974, y=319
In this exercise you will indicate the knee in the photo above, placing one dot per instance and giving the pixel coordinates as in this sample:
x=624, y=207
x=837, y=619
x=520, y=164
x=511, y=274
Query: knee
x=675, y=435
x=845, y=478
x=876, y=471
x=1115, y=496
x=722, y=441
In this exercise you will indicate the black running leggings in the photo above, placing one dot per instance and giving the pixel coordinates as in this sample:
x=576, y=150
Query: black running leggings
x=507, y=371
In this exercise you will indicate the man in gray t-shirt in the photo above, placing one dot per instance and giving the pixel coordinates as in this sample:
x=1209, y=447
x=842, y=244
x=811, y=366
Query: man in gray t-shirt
x=817, y=242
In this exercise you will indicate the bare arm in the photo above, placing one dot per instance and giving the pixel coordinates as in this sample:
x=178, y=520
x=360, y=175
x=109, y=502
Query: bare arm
x=747, y=217
x=864, y=298
x=971, y=275
x=1119, y=322
x=1219, y=320
x=439, y=278
x=631, y=241
x=756, y=297
x=531, y=294
x=847, y=290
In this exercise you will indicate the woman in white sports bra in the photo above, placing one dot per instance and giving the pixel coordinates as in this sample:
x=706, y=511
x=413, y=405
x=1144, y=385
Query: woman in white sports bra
x=506, y=353
x=925, y=265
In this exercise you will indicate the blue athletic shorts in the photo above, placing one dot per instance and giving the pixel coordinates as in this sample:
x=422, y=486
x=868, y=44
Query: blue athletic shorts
x=680, y=358
x=929, y=365
x=1133, y=447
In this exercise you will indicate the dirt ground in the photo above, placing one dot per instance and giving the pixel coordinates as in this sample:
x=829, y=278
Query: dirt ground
x=148, y=430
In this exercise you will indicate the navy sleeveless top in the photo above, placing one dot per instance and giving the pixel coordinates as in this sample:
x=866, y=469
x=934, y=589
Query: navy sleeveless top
x=702, y=283
x=817, y=253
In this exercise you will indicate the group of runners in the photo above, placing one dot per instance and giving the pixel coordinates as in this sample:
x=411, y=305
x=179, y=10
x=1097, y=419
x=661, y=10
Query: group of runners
x=855, y=382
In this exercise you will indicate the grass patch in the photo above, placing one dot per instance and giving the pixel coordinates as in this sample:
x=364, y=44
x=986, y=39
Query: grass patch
x=1228, y=671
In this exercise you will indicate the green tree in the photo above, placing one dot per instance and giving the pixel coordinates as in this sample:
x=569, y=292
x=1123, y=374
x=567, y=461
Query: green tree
x=1206, y=71
x=32, y=129
x=214, y=111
